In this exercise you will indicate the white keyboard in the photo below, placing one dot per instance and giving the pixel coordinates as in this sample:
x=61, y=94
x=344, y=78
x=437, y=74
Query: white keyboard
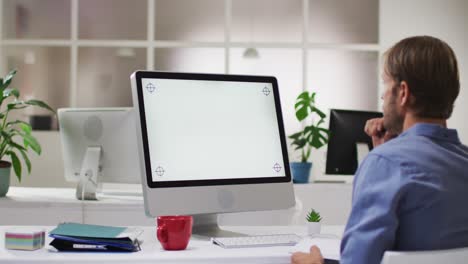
x=257, y=241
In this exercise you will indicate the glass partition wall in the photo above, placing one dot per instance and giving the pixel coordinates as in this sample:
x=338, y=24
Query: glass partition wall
x=80, y=53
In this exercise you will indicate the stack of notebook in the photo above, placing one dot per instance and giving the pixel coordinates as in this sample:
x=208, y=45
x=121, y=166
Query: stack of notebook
x=81, y=237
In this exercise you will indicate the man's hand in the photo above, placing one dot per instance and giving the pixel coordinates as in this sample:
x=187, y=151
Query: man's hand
x=376, y=130
x=314, y=257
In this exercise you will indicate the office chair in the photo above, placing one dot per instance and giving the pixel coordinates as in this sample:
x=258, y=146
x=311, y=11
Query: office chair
x=452, y=256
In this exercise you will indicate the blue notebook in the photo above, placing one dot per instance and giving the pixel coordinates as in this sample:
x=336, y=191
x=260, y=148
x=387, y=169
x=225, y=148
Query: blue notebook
x=83, y=230
x=82, y=237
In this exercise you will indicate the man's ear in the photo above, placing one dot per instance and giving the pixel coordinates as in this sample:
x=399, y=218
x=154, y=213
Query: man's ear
x=404, y=94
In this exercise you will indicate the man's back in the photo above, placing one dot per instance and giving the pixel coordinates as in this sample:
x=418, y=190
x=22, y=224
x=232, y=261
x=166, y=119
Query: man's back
x=409, y=195
x=434, y=188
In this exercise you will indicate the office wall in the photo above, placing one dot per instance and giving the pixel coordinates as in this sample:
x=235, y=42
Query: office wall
x=445, y=19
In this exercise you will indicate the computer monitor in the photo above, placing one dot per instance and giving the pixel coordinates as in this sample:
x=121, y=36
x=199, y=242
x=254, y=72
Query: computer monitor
x=210, y=144
x=347, y=138
x=99, y=145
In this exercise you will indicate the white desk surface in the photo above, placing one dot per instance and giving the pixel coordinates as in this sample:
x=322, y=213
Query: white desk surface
x=198, y=251
x=50, y=206
x=66, y=197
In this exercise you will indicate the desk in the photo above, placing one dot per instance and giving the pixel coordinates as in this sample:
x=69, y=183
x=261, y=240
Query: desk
x=49, y=206
x=198, y=251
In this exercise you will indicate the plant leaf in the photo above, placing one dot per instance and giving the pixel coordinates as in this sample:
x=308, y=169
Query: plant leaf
x=23, y=153
x=16, y=145
x=316, y=110
x=304, y=104
x=295, y=135
x=304, y=96
x=6, y=135
x=8, y=79
x=26, y=127
x=16, y=105
x=26, y=159
x=316, y=137
x=301, y=113
x=11, y=91
x=313, y=216
x=40, y=104
x=320, y=122
x=319, y=141
x=6, y=140
x=16, y=164
x=312, y=96
x=11, y=123
x=324, y=130
x=300, y=143
x=30, y=141
x=302, y=107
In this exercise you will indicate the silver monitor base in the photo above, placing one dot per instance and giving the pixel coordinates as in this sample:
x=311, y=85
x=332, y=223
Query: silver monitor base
x=205, y=226
x=85, y=192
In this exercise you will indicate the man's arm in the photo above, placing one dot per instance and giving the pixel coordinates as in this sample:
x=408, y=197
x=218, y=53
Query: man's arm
x=373, y=222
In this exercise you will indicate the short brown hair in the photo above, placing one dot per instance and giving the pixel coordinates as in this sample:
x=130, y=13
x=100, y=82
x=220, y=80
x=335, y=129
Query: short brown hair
x=429, y=66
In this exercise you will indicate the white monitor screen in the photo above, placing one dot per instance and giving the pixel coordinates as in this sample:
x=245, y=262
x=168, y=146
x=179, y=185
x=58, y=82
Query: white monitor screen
x=212, y=131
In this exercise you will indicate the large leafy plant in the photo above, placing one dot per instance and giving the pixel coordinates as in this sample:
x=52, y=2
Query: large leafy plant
x=312, y=136
x=15, y=135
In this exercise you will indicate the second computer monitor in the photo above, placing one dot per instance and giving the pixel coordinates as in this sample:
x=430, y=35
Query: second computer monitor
x=346, y=133
x=99, y=145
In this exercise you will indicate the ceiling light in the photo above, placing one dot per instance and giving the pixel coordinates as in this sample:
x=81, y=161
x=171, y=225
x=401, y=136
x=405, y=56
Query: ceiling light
x=251, y=53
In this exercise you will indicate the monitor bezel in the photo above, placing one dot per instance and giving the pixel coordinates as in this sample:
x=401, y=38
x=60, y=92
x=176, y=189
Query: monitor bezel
x=139, y=75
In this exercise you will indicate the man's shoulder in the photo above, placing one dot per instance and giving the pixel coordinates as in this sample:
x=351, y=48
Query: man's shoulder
x=392, y=148
x=413, y=148
x=382, y=168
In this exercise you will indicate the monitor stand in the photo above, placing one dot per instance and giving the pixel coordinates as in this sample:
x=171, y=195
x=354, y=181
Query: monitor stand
x=362, y=149
x=205, y=226
x=88, y=182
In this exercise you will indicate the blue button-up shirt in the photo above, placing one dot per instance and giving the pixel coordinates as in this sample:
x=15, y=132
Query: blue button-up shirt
x=410, y=193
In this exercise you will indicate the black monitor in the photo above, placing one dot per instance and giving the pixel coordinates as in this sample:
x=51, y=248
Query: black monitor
x=346, y=129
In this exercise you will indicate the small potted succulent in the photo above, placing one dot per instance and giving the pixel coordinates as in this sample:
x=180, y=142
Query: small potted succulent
x=313, y=222
x=312, y=136
x=15, y=135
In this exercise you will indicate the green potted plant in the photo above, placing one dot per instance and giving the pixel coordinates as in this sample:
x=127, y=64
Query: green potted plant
x=313, y=222
x=15, y=135
x=311, y=136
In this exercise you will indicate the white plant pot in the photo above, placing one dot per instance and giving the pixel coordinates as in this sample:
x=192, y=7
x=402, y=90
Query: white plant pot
x=313, y=228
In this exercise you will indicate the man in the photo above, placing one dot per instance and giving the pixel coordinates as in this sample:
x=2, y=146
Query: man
x=410, y=192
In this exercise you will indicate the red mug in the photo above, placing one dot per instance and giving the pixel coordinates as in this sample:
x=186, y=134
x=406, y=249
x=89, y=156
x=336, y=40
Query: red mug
x=174, y=231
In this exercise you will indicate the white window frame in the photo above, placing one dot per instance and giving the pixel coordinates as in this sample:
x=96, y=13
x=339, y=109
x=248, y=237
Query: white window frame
x=74, y=43
x=151, y=43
